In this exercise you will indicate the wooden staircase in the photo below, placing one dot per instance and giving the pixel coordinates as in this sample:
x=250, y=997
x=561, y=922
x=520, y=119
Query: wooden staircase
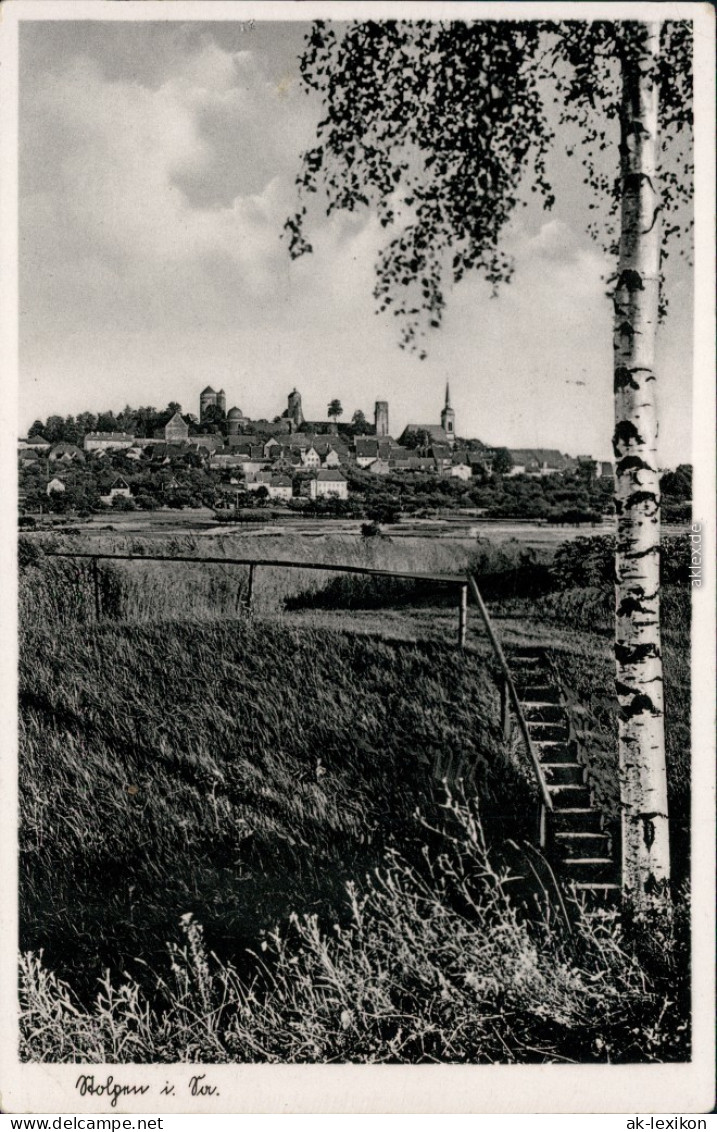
x=578, y=846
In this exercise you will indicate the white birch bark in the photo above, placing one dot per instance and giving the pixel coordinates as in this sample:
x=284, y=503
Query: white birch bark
x=643, y=778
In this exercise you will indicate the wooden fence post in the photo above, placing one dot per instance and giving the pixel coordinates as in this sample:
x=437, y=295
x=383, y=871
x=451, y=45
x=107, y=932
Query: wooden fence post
x=250, y=587
x=96, y=588
x=462, y=616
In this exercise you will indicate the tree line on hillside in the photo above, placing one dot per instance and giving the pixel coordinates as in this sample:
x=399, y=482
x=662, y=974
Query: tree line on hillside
x=145, y=421
x=141, y=422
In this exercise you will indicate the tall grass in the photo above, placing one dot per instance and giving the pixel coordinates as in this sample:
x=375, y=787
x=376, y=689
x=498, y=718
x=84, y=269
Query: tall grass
x=432, y=963
x=61, y=590
x=170, y=767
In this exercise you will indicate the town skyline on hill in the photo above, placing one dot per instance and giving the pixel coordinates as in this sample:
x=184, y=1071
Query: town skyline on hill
x=131, y=420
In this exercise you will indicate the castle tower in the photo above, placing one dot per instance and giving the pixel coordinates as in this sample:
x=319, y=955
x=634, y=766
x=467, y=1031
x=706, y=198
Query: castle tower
x=206, y=398
x=234, y=419
x=222, y=401
x=294, y=411
x=380, y=418
x=448, y=418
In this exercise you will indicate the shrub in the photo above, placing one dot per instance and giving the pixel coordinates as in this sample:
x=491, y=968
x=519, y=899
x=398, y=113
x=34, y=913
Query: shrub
x=384, y=513
x=370, y=530
x=589, y=562
x=123, y=503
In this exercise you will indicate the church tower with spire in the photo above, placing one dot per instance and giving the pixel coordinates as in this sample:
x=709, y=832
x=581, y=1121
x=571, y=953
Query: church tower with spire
x=448, y=418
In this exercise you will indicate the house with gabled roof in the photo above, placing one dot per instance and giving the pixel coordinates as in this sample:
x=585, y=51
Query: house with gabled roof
x=36, y=442
x=538, y=462
x=460, y=472
x=175, y=431
x=329, y=482
x=379, y=467
x=310, y=458
x=277, y=485
x=66, y=453
x=118, y=487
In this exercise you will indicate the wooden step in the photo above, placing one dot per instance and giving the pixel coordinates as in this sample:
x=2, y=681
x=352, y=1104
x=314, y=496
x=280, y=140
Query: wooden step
x=576, y=819
x=570, y=796
x=522, y=665
x=591, y=870
x=555, y=732
x=602, y=894
x=583, y=852
x=544, y=713
x=551, y=751
x=576, y=844
x=531, y=692
x=563, y=774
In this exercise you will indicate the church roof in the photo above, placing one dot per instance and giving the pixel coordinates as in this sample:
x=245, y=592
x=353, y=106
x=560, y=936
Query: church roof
x=551, y=457
x=207, y=390
x=436, y=432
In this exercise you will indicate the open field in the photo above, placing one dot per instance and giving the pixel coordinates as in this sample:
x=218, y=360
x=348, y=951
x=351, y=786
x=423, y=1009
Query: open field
x=202, y=521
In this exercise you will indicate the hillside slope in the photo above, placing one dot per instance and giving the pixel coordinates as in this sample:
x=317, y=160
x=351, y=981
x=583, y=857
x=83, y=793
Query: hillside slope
x=235, y=770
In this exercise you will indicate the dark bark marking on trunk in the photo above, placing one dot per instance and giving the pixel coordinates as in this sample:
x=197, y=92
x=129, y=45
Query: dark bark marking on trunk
x=628, y=606
x=625, y=433
x=638, y=705
x=627, y=330
x=656, y=213
x=623, y=689
x=632, y=464
x=624, y=547
x=624, y=378
x=633, y=654
x=648, y=825
x=631, y=280
x=637, y=497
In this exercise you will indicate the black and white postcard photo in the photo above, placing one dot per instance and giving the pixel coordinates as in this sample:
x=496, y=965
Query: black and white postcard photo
x=358, y=562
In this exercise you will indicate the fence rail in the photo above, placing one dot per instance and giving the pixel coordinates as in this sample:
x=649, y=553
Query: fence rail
x=451, y=580
x=510, y=694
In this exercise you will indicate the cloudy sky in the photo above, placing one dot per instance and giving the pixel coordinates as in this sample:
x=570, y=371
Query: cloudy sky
x=157, y=162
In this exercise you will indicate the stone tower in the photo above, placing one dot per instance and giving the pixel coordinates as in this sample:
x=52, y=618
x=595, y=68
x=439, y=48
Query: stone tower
x=206, y=398
x=294, y=411
x=221, y=401
x=234, y=420
x=448, y=418
x=380, y=417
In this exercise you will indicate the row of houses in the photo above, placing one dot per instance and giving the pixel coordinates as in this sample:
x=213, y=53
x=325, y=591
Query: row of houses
x=327, y=483
x=286, y=454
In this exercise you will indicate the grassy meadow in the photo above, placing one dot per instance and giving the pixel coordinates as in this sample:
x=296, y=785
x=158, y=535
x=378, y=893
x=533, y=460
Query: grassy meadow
x=235, y=838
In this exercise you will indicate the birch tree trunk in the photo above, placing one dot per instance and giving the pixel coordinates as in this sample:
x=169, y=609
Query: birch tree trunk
x=643, y=777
